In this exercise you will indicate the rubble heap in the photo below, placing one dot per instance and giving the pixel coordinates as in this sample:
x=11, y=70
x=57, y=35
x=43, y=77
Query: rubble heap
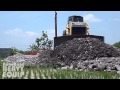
x=82, y=53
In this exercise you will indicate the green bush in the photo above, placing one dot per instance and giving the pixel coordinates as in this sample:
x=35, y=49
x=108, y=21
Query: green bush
x=117, y=44
x=2, y=57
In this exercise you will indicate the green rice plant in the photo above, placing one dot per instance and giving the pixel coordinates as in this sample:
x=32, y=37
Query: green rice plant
x=43, y=72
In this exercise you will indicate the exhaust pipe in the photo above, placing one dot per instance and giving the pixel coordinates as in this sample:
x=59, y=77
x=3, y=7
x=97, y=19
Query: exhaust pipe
x=55, y=24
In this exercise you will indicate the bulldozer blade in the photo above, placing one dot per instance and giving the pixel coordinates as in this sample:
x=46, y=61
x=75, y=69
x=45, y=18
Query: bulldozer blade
x=62, y=39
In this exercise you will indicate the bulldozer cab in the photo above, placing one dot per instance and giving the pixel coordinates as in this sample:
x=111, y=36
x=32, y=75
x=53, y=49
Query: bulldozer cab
x=75, y=19
x=76, y=26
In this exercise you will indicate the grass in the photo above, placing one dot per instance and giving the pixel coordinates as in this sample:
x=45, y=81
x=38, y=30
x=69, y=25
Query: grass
x=1, y=58
x=37, y=72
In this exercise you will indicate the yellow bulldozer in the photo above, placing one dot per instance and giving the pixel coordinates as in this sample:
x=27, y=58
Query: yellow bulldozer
x=75, y=28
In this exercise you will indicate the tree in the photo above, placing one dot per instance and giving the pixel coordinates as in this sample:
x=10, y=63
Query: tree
x=117, y=44
x=14, y=50
x=42, y=43
x=33, y=47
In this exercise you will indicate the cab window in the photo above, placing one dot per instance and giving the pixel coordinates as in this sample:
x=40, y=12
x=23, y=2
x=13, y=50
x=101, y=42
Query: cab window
x=69, y=20
x=76, y=19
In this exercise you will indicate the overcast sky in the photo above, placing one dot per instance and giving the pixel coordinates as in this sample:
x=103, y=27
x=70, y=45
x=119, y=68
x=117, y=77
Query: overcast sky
x=20, y=28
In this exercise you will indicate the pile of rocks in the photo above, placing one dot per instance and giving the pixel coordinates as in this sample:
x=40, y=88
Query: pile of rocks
x=84, y=54
x=111, y=64
x=27, y=59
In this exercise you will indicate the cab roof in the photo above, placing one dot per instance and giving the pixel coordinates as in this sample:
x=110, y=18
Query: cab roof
x=74, y=16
